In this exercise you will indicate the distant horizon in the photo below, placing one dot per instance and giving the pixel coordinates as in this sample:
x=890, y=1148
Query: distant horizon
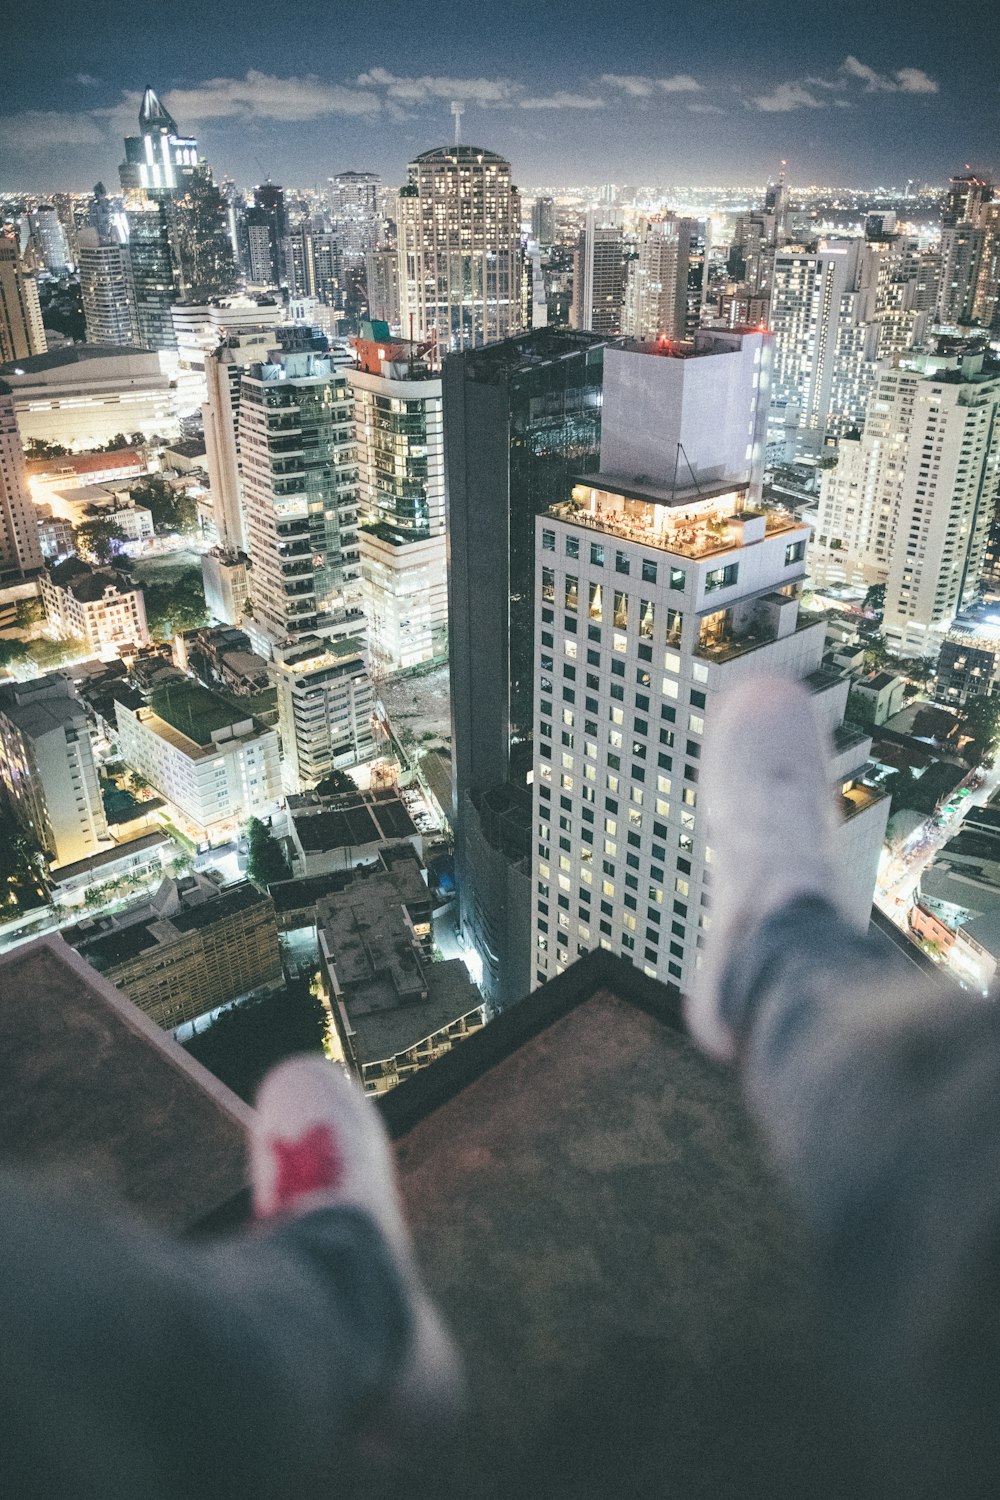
x=639, y=93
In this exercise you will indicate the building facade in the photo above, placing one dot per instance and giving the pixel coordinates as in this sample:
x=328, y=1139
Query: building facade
x=299, y=483
x=459, y=228
x=47, y=768
x=21, y=331
x=656, y=296
x=20, y=549
x=652, y=597
x=107, y=291
x=325, y=708
x=520, y=420
x=99, y=606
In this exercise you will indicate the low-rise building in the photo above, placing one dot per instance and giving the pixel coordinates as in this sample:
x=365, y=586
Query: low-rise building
x=224, y=575
x=84, y=395
x=879, y=695
x=335, y=833
x=325, y=707
x=189, y=950
x=100, y=606
x=968, y=664
x=394, y=1011
x=217, y=766
x=135, y=859
x=47, y=767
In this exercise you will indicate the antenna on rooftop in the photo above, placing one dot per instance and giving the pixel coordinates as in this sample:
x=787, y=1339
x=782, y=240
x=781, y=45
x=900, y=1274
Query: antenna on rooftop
x=457, y=109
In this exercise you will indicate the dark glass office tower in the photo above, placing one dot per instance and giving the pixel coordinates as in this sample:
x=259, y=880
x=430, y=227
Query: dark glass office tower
x=520, y=419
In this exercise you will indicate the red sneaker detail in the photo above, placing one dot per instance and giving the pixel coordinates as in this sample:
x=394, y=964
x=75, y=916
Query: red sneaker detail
x=310, y=1164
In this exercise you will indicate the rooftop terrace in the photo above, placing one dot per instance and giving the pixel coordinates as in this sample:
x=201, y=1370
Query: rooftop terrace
x=688, y=523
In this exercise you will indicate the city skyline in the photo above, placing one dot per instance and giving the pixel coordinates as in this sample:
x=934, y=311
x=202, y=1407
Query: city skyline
x=571, y=94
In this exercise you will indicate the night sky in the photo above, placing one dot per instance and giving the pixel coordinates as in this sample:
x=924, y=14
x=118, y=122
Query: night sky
x=860, y=92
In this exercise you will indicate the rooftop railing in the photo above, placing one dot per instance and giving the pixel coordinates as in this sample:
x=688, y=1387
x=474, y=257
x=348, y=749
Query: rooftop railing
x=698, y=536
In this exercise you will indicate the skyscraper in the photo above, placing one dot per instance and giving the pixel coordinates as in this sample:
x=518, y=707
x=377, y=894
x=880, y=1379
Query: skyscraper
x=911, y=501
x=520, y=420
x=459, y=232
x=543, y=220
x=355, y=213
x=21, y=331
x=823, y=315
x=656, y=297
x=599, y=278
x=397, y=417
x=50, y=237
x=269, y=200
x=20, y=551
x=382, y=276
x=224, y=369
x=660, y=580
x=299, y=484
x=107, y=291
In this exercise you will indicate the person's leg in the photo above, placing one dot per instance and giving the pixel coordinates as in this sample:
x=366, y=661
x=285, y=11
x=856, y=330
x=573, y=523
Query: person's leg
x=293, y=1360
x=876, y=1093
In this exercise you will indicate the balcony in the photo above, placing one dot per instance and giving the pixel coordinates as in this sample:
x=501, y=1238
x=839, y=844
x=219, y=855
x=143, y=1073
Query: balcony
x=734, y=632
x=700, y=527
x=858, y=798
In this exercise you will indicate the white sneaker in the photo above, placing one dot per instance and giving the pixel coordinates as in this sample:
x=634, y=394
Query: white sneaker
x=320, y=1141
x=770, y=803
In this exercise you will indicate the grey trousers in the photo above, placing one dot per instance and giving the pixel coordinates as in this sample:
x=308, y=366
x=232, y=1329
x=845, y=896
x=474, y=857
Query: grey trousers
x=140, y=1367
x=877, y=1090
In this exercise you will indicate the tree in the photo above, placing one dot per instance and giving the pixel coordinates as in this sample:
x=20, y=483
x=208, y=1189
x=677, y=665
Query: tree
x=337, y=784
x=860, y=709
x=28, y=612
x=170, y=509
x=982, y=725
x=39, y=448
x=876, y=654
x=101, y=539
x=11, y=651
x=875, y=598
x=175, y=604
x=265, y=860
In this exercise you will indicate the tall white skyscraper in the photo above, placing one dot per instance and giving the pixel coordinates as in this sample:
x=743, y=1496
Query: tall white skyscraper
x=459, y=228
x=660, y=581
x=656, y=296
x=220, y=413
x=911, y=502
x=823, y=316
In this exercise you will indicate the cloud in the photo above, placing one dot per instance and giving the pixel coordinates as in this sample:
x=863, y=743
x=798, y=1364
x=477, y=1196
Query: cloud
x=562, y=101
x=802, y=94
x=705, y=109
x=785, y=97
x=638, y=86
x=40, y=130
x=681, y=83
x=264, y=96
x=87, y=80
x=427, y=86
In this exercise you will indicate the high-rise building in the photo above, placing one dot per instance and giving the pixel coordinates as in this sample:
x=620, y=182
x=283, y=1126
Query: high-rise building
x=599, y=278
x=400, y=446
x=325, y=707
x=965, y=200
x=942, y=418
x=312, y=262
x=520, y=420
x=154, y=260
x=660, y=581
x=299, y=484
x=543, y=221
x=47, y=767
x=107, y=291
x=911, y=501
x=224, y=369
x=159, y=161
x=382, y=276
x=986, y=306
x=356, y=213
x=823, y=315
x=459, y=231
x=269, y=200
x=656, y=296
x=50, y=237
x=20, y=549
x=962, y=247
x=21, y=331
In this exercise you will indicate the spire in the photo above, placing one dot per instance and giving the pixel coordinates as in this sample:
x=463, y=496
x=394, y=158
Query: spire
x=152, y=115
